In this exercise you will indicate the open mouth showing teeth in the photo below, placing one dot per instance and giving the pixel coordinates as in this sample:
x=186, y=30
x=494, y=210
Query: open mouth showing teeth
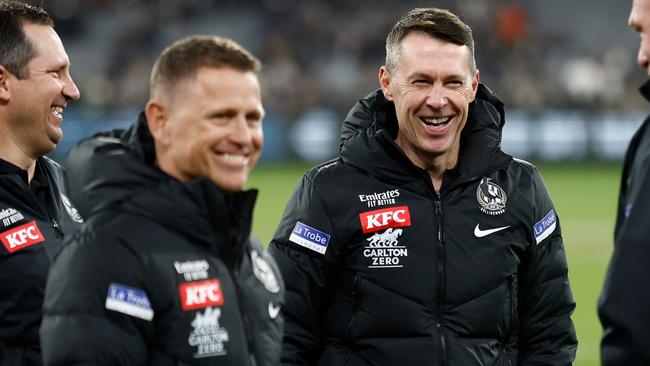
x=57, y=110
x=235, y=159
x=435, y=122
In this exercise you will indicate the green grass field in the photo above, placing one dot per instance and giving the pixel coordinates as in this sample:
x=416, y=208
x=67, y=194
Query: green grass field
x=585, y=199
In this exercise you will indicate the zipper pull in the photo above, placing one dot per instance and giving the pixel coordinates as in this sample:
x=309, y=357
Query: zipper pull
x=438, y=213
x=56, y=227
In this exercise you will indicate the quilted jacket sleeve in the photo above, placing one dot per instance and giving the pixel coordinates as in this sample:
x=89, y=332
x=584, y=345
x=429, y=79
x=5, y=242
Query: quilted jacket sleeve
x=624, y=301
x=303, y=248
x=79, y=327
x=547, y=335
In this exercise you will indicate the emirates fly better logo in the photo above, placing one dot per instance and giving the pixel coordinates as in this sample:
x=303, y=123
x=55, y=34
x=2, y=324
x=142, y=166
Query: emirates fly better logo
x=376, y=220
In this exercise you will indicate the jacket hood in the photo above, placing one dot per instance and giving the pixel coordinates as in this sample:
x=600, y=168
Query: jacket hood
x=115, y=171
x=371, y=127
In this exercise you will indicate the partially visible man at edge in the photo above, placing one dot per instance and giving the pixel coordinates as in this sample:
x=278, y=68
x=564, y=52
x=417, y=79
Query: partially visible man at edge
x=424, y=243
x=624, y=304
x=164, y=271
x=35, y=213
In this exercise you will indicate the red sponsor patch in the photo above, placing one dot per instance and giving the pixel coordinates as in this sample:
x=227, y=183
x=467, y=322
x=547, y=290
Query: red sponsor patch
x=200, y=294
x=22, y=236
x=376, y=220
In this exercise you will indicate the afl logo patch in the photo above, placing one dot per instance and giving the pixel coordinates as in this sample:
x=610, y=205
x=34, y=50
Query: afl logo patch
x=491, y=197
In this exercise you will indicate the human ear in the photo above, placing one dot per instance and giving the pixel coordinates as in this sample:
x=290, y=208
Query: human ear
x=475, y=81
x=156, y=114
x=384, y=82
x=5, y=91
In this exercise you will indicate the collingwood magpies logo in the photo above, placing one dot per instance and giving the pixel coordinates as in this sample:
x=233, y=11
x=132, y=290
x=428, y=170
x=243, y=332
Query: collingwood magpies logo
x=491, y=197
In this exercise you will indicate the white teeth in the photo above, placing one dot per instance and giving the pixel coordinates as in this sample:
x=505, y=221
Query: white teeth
x=235, y=159
x=57, y=110
x=436, y=121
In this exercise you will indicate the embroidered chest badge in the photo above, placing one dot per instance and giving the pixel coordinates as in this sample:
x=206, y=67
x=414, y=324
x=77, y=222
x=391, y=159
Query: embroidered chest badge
x=491, y=197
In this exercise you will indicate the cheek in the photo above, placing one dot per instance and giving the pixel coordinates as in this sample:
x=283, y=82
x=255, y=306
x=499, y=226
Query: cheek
x=257, y=137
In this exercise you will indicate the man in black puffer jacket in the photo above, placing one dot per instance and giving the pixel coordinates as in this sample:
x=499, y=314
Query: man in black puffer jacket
x=624, y=302
x=164, y=271
x=424, y=243
x=35, y=211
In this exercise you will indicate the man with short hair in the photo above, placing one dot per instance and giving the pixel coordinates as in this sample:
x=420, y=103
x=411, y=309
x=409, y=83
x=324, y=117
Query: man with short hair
x=164, y=272
x=624, y=304
x=424, y=243
x=35, y=213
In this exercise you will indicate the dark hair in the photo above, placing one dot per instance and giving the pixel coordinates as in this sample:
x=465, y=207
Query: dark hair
x=184, y=57
x=15, y=48
x=438, y=23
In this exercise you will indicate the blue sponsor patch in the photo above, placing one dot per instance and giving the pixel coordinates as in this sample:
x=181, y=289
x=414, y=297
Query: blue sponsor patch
x=310, y=238
x=129, y=301
x=544, y=227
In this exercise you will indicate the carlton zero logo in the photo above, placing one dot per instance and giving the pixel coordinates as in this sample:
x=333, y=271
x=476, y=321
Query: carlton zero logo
x=372, y=221
x=200, y=294
x=21, y=237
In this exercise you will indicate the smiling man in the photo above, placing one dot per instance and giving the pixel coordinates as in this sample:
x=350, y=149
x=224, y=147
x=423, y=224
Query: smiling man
x=165, y=271
x=35, y=213
x=424, y=243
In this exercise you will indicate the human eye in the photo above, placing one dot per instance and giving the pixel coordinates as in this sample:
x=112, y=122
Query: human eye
x=420, y=82
x=254, y=119
x=219, y=118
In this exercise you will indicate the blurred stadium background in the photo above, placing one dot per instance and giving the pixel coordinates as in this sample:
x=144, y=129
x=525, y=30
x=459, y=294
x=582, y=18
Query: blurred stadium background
x=565, y=69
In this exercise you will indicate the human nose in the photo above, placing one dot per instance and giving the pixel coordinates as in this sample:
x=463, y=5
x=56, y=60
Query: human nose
x=241, y=132
x=70, y=90
x=436, y=98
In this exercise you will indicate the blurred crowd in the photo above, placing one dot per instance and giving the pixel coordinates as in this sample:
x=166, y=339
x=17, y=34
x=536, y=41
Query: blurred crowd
x=325, y=54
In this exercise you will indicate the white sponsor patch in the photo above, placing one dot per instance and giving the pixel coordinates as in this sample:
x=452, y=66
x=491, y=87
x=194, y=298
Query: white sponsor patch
x=193, y=270
x=544, y=227
x=10, y=216
x=379, y=199
x=129, y=301
x=208, y=336
x=384, y=251
x=310, y=238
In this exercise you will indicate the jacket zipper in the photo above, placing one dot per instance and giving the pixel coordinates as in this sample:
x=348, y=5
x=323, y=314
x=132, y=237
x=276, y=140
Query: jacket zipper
x=242, y=314
x=441, y=276
x=355, y=309
x=55, y=225
x=511, y=318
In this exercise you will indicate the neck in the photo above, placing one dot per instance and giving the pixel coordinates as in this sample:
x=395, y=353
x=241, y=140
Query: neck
x=438, y=167
x=435, y=165
x=27, y=164
x=10, y=152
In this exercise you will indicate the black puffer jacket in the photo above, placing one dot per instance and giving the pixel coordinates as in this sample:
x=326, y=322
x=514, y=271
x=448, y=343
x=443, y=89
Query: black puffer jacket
x=380, y=269
x=34, y=218
x=162, y=273
x=625, y=299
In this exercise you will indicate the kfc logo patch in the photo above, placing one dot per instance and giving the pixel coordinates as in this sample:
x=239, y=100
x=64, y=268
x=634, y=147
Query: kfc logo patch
x=200, y=294
x=383, y=219
x=21, y=237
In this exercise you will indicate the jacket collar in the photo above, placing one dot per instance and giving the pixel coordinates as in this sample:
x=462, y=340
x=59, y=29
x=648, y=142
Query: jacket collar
x=645, y=90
